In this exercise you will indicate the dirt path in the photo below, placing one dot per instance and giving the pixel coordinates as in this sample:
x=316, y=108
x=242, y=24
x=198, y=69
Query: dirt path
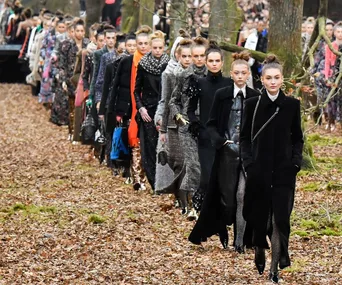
x=65, y=220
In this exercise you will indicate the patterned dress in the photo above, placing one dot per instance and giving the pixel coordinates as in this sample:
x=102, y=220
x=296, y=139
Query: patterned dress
x=46, y=93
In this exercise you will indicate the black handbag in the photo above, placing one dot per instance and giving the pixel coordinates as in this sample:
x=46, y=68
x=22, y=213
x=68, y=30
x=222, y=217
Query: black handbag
x=100, y=136
x=88, y=129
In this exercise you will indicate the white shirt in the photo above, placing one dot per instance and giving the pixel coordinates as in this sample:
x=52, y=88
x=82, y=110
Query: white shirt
x=237, y=89
x=272, y=97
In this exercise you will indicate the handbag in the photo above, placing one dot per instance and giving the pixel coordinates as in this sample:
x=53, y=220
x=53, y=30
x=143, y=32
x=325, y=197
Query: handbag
x=119, y=149
x=100, y=136
x=88, y=128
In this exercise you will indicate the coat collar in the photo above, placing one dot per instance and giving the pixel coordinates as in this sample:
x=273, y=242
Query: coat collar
x=265, y=100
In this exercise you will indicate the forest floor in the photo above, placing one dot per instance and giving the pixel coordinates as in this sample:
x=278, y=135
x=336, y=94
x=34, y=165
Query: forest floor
x=66, y=220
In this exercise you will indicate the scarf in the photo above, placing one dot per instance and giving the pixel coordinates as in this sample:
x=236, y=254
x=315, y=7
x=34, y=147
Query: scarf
x=154, y=65
x=133, y=139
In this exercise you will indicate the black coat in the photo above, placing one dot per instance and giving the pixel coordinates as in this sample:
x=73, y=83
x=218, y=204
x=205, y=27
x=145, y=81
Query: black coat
x=120, y=103
x=207, y=87
x=271, y=163
x=213, y=216
x=147, y=90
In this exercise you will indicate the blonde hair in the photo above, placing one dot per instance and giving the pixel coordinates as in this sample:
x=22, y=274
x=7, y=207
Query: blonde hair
x=143, y=31
x=157, y=35
x=241, y=58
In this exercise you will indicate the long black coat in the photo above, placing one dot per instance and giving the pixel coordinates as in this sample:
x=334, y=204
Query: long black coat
x=272, y=163
x=120, y=103
x=212, y=218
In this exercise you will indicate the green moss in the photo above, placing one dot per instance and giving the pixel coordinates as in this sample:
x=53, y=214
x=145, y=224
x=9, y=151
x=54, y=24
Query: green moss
x=96, y=219
x=300, y=233
x=319, y=140
x=330, y=232
x=312, y=187
x=297, y=266
x=310, y=224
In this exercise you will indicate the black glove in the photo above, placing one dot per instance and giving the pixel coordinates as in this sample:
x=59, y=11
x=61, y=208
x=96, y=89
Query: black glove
x=162, y=157
x=194, y=129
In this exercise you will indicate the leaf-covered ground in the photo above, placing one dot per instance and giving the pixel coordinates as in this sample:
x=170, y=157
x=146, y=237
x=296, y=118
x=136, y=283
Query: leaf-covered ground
x=66, y=220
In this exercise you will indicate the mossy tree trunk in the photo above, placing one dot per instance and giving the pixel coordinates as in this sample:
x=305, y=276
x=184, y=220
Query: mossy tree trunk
x=94, y=9
x=285, y=33
x=225, y=21
x=146, y=10
x=178, y=15
x=130, y=16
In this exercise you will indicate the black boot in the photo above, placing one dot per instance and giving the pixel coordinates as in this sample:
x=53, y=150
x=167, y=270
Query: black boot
x=260, y=259
x=224, y=237
x=274, y=277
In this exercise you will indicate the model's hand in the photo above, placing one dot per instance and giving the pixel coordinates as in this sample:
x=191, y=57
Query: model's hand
x=101, y=117
x=119, y=119
x=144, y=115
x=162, y=137
x=98, y=106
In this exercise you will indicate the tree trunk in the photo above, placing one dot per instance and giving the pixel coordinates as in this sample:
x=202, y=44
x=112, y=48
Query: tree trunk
x=225, y=21
x=285, y=33
x=178, y=15
x=94, y=9
x=146, y=10
x=130, y=16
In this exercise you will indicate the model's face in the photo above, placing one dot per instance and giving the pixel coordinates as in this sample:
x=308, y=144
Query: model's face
x=272, y=80
x=131, y=46
x=100, y=41
x=309, y=28
x=121, y=48
x=79, y=32
x=157, y=48
x=110, y=40
x=240, y=74
x=61, y=28
x=185, y=57
x=329, y=30
x=143, y=45
x=214, y=62
x=338, y=34
x=198, y=56
x=71, y=33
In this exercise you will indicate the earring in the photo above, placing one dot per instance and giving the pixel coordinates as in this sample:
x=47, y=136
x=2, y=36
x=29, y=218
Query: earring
x=283, y=87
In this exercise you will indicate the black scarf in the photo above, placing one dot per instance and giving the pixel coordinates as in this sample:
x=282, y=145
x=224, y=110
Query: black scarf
x=154, y=65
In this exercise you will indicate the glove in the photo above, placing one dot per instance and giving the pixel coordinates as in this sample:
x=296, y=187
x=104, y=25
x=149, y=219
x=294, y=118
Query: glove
x=194, y=129
x=180, y=120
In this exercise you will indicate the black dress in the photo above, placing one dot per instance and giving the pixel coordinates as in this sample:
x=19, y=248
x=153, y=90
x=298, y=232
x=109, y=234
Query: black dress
x=272, y=163
x=204, y=98
x=219, y=205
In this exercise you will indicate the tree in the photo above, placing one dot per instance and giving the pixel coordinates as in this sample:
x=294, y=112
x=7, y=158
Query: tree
x=94, y=8
x=178, y=15
x=285, y=33
x=225, y=21
x=146, y=10
x=130, y=16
